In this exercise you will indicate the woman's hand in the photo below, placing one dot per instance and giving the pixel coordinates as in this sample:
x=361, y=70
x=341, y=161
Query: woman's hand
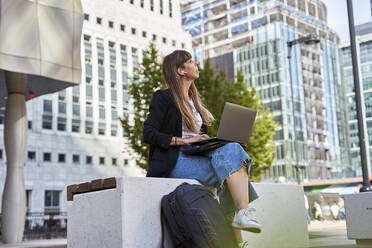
x=177, y=141
x=195, y=138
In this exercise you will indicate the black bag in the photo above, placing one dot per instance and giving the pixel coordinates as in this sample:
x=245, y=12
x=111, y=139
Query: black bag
x=192, y=218
x=204, y=148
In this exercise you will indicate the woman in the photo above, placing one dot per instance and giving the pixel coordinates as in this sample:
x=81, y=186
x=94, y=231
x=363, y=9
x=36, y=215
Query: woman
x=176, y=119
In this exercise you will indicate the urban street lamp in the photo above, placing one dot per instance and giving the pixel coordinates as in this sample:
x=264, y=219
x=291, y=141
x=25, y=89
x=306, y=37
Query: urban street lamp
x=307, y=40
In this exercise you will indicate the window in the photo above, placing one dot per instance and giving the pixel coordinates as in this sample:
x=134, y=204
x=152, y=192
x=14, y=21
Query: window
x=114, y=129
x=164, y=40
x=75, y=126
x=144, y=34
x=88, y=127
x=28, y=199
x=88, y=159
x=152, y=5
x=114, y=161
x=99, y=20
x=29, y=125
x=31, y=155
x=183, y=45
x=89, y=92
x=86, y=17
x=173, y=43
x=89, y=111
x=133, y=31
x=101, y=94
x=62, y=95
x=102, y=113
x=47, y=157
x=113, y=96
x=47, y=120
x=161, y=7
x=61, y=124
x=102, y=160
x=131, y=1
x=61, y=107
x=61, y=158
x=101, y=128
x=47, y=106
x=122, y=27
x=51, y=202
x=76, y=158
x=76, y=110
x=170, y=8
x=142, y=3
x=125, y=161
x=1, y=154
x=111, y=24
x=154, y=37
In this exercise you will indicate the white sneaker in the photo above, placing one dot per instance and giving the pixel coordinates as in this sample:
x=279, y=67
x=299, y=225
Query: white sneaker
x=244, y=220
x=243, y=244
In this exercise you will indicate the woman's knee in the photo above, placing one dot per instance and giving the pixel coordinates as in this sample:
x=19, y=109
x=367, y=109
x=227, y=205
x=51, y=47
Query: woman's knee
x=233, y=146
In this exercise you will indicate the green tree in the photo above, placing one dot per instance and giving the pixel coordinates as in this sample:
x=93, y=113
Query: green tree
x=146, y=80
x=215, y=89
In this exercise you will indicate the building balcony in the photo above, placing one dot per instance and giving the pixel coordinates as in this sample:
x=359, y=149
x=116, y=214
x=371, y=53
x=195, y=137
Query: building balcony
x=316, y=117
x=317, y=130
x=318, y=103
x=320, y=163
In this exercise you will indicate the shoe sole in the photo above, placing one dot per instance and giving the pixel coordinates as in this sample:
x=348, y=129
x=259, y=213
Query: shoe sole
x=248, y=229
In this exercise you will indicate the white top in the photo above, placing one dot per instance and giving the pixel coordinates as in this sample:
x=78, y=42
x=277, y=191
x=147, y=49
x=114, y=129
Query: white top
x=186, y=134
x=335, y=209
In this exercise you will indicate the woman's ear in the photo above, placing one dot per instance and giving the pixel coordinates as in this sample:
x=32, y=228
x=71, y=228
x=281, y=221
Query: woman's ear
x=181, y=71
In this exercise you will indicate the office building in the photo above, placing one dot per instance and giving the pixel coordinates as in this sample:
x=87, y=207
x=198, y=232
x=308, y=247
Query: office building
x=256, y=34
x=364, y=53
x=75, y=135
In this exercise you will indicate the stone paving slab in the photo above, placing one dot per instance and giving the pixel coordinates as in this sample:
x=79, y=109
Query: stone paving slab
x=330, y=234
x=48, y=243
x=326, y=234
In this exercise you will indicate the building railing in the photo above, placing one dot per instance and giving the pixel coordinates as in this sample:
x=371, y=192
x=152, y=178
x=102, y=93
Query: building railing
x=42, y=225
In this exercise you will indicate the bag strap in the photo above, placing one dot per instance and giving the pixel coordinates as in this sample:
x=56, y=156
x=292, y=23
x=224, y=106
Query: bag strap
x=166, y=238
x=168, y=214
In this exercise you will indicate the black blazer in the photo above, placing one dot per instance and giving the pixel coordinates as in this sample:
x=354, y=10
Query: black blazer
x=163, y=122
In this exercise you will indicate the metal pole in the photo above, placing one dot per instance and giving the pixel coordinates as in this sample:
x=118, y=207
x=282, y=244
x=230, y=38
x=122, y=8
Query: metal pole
x=362, y=144
x=297, y=167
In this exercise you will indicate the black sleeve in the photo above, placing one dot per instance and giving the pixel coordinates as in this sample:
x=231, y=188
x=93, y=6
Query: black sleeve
x=204, y=129
x=155, y=118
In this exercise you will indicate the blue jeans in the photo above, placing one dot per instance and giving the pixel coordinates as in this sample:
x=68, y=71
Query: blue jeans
x=213, y=169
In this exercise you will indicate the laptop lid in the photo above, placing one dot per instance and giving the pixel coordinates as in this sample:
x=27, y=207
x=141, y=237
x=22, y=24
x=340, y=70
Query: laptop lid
x=236, y=123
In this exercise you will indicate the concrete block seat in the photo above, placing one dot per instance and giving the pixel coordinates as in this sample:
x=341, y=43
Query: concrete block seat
x=125, y=212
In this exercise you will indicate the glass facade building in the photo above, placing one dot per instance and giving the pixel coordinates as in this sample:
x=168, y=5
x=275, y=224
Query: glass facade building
x=256, y=33
x=364, y=51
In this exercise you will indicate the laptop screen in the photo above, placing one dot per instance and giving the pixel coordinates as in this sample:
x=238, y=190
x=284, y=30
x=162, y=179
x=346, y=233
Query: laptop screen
x=236, y=123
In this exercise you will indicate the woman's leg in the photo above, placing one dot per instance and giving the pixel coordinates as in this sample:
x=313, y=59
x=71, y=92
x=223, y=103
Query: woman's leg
x=238, y=186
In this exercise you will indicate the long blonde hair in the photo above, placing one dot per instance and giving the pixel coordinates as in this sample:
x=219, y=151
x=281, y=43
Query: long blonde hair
x=171, y=64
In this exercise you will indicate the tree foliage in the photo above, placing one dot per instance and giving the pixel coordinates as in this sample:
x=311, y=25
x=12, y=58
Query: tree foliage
x=146, y=80
x=216, y=89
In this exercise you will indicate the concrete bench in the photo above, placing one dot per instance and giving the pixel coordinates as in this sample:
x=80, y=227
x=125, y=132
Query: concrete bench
x=128, y=215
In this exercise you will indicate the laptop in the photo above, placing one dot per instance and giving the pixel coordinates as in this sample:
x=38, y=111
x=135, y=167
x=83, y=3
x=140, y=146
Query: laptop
x=236, y=125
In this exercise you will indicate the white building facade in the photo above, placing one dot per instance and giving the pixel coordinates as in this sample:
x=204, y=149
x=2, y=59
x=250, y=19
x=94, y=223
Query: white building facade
x=75, y=135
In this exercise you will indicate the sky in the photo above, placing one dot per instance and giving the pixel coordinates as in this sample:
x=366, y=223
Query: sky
x=337, y=15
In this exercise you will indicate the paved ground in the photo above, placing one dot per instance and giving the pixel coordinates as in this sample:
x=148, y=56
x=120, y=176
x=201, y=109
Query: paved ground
x=327, y=234
x=49, y=243
x=330, y=234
